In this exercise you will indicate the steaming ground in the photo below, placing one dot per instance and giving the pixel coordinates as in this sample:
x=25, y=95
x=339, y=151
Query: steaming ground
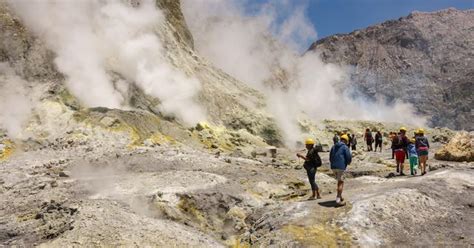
x=130, y=172
x=262, y=50
x=112, y=36
x=174, y=195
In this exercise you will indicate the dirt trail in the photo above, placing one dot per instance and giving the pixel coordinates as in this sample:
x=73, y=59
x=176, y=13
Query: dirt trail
x=226, y=201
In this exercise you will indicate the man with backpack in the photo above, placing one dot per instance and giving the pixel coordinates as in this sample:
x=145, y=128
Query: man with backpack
x=311, y=163
x=369, y=139
x=353, y=142
x=400, y=143
x=340, y=157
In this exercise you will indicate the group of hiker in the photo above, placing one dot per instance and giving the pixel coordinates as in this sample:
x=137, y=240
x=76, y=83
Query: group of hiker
x=369, y=140
x=340, y=157
x=415, y=149
x=352, y=143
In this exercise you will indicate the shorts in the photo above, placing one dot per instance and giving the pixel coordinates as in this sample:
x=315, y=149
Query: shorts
x=400, y=155
x=422, y=153
x=339, y=174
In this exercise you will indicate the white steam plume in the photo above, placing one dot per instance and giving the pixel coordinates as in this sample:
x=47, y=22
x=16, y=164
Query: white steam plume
x=93, y=38
x=247, y=46
x=16, y=101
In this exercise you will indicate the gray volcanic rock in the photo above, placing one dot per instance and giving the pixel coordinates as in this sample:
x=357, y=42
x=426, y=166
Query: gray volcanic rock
x=426, y=59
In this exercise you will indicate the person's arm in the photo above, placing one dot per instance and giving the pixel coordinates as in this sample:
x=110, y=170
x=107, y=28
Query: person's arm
x=427, y=143
x=301, y=156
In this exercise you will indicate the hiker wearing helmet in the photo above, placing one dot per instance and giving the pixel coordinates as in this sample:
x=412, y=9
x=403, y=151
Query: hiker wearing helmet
x=413, y=157
x=311, y=163
x=340, y=157
x=400, y=143
x=422, y=146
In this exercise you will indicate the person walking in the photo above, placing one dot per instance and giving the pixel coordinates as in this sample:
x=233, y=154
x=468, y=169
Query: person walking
x=422, y=146
x=392, y=138
x=413, y=157
x=353, y=142
x=340, y=157
x=312, y=161
x=335, y=138
x=378, y=141
x=400, y=148
x=368, y=139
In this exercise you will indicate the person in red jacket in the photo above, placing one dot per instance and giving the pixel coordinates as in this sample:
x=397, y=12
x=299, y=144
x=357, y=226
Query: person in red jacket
x=400, y=143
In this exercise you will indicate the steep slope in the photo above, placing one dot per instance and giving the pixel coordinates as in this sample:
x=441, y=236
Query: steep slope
x=425, y=58
x=227, y=101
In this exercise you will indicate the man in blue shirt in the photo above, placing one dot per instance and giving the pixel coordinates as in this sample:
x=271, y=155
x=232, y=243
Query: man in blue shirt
x=340, y=157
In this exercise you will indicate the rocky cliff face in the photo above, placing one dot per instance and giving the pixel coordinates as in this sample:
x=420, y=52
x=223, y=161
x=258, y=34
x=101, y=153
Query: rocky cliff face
x=426, y=59
x=228, y=102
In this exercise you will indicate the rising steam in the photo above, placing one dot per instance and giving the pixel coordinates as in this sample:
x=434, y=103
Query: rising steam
x=94, y=38
x=16, y=101
x=247, y=44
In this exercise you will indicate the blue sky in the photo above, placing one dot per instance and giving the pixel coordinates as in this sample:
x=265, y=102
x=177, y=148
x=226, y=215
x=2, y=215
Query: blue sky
x=344, y=16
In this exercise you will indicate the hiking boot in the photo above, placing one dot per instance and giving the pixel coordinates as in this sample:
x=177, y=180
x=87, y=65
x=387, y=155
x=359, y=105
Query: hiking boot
x=398, y=169
x=402, y=174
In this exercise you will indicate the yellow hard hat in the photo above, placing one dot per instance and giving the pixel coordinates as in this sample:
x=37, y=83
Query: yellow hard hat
x=421, y=131
x=403, y=129
x=345, y=137
x=309, y=141
x=412, y=140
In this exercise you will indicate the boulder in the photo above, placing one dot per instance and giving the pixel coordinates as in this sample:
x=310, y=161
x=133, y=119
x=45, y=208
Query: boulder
x=459, y=149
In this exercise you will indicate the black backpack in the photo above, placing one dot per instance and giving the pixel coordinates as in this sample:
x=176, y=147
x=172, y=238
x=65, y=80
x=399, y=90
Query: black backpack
x=318, y=161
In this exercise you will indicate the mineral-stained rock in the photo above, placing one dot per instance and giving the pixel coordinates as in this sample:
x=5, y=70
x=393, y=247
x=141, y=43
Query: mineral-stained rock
x=460, y=148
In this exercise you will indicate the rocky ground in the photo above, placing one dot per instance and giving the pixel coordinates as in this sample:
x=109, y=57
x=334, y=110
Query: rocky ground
x=89, y=177
x=64, y=194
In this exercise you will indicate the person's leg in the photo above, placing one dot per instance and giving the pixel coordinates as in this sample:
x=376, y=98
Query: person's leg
x=340, y=187
x=316, y=192
x=416, y=164
x=311, y=178
x=422, y=169
x=412, y=165
x=423, y=159
x=401, y=167
x=393, y=153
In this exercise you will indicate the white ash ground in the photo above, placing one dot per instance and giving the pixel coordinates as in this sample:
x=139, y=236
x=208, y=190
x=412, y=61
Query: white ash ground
x=175, y=195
